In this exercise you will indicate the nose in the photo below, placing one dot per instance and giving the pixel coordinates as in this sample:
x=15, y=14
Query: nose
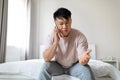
x=64, y=25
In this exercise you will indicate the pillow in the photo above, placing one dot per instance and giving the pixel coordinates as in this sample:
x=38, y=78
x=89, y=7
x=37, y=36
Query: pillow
x=99, y=68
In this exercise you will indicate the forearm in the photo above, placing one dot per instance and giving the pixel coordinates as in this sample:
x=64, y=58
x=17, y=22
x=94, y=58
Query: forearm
x=49, y=53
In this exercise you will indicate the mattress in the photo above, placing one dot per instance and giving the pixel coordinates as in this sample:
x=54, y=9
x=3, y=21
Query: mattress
x=14, y=77
x=61, y=77
x=32, y=68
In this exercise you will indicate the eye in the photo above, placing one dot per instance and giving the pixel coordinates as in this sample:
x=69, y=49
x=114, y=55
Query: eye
x=61, y=24
x=67, y=23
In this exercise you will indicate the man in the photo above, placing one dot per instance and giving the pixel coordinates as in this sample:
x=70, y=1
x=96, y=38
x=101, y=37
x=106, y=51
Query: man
x=69, y=47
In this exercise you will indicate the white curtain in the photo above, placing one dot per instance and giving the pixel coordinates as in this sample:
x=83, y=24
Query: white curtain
x=34, y=49
x=3, y=28
x=18, y=30
x=23, y=30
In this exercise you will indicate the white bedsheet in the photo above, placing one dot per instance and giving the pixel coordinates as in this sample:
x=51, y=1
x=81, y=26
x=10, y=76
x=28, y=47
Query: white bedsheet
x=32, y=68
x=29, y=68
x=14, y=77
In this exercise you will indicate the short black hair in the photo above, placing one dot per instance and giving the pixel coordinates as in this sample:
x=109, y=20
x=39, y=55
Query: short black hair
x=62, y=13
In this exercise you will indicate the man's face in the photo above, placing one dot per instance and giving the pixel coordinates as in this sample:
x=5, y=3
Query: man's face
x=63, y=25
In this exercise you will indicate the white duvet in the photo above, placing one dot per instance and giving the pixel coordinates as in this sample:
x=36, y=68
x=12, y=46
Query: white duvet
x=32, y=68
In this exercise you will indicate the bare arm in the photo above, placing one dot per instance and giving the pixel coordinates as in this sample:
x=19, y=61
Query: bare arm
x=84, y=52
x=49, y=53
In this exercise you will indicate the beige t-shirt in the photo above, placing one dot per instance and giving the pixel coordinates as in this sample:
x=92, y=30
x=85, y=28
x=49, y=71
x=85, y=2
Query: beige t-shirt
x=69, y=48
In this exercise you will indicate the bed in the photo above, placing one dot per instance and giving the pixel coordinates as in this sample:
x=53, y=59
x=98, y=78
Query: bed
x=14, y=77
x=30, y=69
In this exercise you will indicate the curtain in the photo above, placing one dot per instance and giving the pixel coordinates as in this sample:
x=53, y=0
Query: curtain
x=23, y=30
x=3, y=28
x=18, y=30
x=34, y=49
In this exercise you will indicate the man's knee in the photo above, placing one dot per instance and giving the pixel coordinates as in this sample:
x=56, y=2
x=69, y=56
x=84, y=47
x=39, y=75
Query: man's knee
x=51, y=67
x=44, y=74
x=85, y=70
x=45, y=67
x=82, y=72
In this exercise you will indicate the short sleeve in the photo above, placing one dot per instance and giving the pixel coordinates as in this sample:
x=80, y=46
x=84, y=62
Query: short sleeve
x=49, y=41
x=82, y=44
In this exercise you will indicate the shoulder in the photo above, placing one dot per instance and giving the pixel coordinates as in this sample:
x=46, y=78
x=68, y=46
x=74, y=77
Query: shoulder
x=77, y=32
x=78, y=35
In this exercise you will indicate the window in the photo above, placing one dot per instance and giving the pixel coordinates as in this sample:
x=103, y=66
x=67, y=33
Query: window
x=17, y=30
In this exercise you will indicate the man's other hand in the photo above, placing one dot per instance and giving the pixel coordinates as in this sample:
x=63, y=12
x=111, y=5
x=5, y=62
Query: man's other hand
x=84, y=58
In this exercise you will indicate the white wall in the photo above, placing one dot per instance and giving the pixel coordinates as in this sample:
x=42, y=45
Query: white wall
x=99, y=20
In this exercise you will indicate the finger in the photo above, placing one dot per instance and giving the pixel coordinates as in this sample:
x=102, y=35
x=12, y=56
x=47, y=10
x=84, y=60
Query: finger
x=88, y=52
x=88, y=57
x=60, y=33
x=83, y=62
x=86, y=60
x=56, y=30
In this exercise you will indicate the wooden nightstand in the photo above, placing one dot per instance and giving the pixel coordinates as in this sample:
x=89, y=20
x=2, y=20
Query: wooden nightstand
x=115, y=63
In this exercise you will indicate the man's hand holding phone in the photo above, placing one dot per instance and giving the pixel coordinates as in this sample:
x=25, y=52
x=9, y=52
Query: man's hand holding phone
x=57, y=34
